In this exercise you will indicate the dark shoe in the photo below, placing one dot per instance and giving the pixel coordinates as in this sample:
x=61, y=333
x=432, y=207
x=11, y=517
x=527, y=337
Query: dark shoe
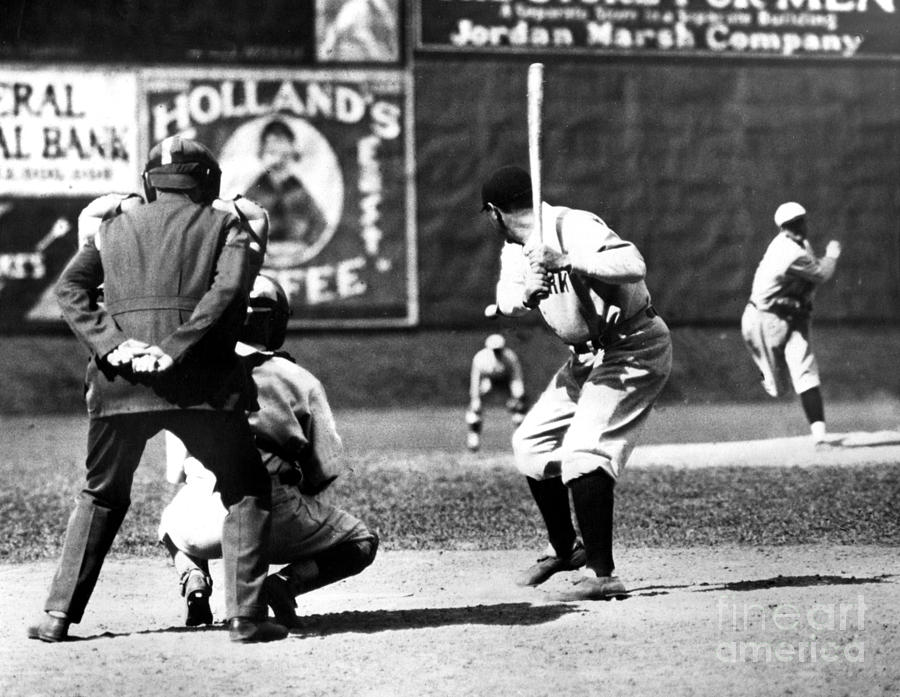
x=196, y=588
x=246, y=631
x=50, y=628
x=279, y=597
x=548, y=565
x=595, y=588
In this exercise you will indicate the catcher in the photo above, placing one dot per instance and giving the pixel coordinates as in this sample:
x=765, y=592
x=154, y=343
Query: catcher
x=297, y=438
x=495, y=369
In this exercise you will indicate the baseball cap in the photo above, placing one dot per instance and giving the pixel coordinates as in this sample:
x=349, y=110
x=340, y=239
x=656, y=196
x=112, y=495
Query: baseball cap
x=787, y=212
x=495, y=342
x=177, y=162
x=504, y=186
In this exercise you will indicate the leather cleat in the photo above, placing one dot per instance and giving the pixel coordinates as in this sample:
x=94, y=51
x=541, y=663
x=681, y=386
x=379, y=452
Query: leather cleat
x=197, y=588
x=594, y=588
x=49, y=628
x=550, y=564
x=244, y=630
x=279, y=597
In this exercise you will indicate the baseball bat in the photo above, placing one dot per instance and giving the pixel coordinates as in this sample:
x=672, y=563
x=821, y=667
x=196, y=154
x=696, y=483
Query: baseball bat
x=535, y=137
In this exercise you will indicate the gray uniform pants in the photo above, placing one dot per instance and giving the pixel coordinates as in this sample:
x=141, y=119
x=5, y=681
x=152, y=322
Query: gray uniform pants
x=115, y=446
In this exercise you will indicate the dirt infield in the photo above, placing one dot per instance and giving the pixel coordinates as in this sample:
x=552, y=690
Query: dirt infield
x=786, y=621
x=804, y=620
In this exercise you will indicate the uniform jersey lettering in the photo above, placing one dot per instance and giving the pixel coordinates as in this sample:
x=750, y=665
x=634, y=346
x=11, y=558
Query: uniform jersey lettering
x=559, y=282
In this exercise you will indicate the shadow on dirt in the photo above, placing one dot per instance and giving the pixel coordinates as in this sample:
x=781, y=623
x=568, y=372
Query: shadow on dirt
x=793, y=582
x=164, y=630
x=762, y=584
x=869, y=440
x=386, y=620
x=650, y=591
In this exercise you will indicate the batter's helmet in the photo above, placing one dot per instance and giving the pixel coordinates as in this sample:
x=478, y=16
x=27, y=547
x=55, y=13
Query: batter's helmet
x=181, y=163
x=267, y=314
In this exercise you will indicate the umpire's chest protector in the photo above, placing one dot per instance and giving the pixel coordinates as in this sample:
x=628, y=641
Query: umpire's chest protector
x=158, y=262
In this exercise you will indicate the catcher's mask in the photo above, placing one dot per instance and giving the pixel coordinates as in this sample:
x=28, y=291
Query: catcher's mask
x=267, y=314
x=181, y=163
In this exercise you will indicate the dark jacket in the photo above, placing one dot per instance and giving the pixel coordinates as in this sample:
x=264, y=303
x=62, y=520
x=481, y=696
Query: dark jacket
x=174, y=274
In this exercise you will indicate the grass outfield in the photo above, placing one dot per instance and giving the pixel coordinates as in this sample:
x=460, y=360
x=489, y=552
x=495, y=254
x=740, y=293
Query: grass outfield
x=445, y=501
x=42, y=374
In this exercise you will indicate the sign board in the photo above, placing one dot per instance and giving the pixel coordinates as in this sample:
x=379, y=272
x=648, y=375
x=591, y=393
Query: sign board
x=213, y=32
x=327, y=154
x=712, y=28
x=62, y=135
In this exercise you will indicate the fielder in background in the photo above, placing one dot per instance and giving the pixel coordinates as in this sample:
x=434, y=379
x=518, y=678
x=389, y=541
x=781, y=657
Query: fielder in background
x=496, y=369
x=588, y=285
x=776, y=321
x=175, y=285
x=299, y=444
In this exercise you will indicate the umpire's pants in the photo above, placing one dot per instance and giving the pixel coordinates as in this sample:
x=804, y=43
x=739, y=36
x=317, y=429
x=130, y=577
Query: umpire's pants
x=223, y=442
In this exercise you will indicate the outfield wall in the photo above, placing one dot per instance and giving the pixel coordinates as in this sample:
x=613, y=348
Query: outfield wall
x=687, y=158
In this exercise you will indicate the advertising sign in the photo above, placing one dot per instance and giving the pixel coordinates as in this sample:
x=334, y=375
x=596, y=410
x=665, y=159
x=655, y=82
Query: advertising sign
x=67, y=133
x=715, y=28
x=66, y=136
x=38, y=236
x=358, y=31
x=326, y=154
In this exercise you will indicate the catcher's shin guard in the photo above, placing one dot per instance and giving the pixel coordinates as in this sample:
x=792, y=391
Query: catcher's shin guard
x=340, y=562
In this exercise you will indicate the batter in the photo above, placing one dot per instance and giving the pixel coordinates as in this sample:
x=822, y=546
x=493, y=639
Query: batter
x=588, y=285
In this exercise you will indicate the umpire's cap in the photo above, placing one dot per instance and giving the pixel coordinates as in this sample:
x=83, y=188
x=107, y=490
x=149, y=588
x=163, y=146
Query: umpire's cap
x=506, y=185
x=788, y=212
x=181, y=163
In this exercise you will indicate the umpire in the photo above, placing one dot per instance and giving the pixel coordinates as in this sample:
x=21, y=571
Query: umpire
x=175, y=279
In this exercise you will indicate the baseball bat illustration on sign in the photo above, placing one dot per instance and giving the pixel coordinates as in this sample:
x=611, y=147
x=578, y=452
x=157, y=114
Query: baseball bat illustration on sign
x=535, y=137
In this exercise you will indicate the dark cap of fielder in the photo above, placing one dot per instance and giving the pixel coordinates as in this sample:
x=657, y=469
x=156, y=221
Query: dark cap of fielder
x=504, y=186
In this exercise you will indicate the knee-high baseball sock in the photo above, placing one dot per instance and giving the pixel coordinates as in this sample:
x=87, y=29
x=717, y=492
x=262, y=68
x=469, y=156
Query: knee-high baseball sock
x=811, y=400
x=552, y=499
x=593, y=496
